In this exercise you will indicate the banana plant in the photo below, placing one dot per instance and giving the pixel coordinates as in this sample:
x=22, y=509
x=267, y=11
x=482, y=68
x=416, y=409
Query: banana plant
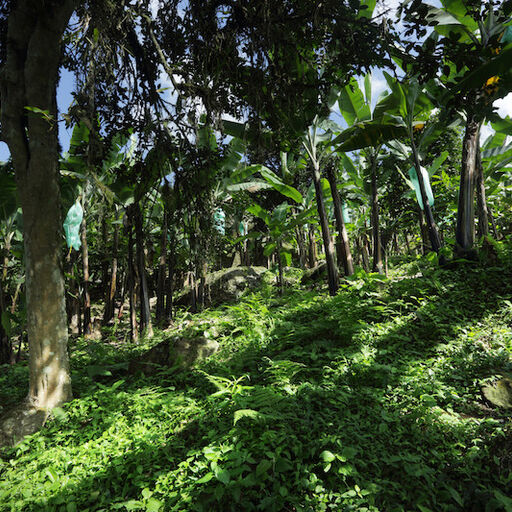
x=281, y=228
x=356, y=110
x=477, y=49
x=317, y=144
x=397, y=115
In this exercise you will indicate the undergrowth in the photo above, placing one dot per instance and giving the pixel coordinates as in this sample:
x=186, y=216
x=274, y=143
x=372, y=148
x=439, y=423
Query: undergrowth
x=368, y=401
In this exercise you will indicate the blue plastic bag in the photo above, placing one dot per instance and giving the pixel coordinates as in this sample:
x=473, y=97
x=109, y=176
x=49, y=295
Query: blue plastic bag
x=72, y=226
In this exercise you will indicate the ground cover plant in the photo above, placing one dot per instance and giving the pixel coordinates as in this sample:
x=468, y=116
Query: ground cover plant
x=369, y=400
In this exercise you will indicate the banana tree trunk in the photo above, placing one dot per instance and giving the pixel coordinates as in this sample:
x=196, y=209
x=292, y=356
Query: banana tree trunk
x=112, y=287
x=87, y=326
x=465, y=231
x=433, y=232
x=483, y=212
x=169, y=302
x=377, y=246
x=332, y=271
x=280, y=267
x=134, y=333
x=162, y=266
x=299, y=234
x=346, y=255
x=29, y=78
x=146, y=329
x=312, y=255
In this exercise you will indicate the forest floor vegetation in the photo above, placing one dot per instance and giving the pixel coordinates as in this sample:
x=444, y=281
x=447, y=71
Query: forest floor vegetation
x=367, y=401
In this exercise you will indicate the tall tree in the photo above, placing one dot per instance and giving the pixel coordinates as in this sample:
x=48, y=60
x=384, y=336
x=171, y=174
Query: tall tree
x=29, y=75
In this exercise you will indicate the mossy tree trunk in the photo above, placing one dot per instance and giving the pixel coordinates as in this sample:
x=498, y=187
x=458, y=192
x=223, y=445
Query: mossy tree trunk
x=29, y=78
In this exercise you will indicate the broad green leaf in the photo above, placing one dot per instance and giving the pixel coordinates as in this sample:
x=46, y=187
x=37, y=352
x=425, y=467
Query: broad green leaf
x=154, y=505
x=286, y=257
x=206, y=478
x=413, y=175
x=222, y=475
x=368, y=88
x=269, y=249
x=327, y=456
x=258, y=211
x=234, y=128
x=436, y=164
x=369, y=134
x=246, y=413
x=277, y=183
x=352, y=105
x=477, y=78
x=249, y=186
x=366, y=8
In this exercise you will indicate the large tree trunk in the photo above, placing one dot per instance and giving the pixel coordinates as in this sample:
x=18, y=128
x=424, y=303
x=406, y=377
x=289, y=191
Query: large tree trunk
x=346, y=255
x=377, y=246
x=332, y=271
x=465, y=232
x=5, y=342
x=29, y=78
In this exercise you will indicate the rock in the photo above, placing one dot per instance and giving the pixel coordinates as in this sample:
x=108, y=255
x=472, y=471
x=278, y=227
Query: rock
x=315, y=274
x=20, y=421
x=182, y=351
x=500, y=394
x=226, y=285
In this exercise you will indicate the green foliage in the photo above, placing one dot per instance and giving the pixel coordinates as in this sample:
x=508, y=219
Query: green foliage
x=370, y=400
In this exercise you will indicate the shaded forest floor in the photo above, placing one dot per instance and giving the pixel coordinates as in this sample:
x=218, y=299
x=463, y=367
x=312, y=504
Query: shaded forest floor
x=368, y=401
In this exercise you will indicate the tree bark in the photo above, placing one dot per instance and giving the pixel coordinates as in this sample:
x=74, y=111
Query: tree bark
x=280, y=267
x=433, y=232
x=312, y=256
x=465, y=231
x=365, y=253
x=87, y=329
x=112, y=287
x=5, y=342
x=162, y=266
x=299, y=234
x=377, y=246
x=332, y=271
x=346, y=255
x=423, y=232
x=131, y=278
x=145, y=313
x=483, y=212
x=29, y=78
x=169, y=301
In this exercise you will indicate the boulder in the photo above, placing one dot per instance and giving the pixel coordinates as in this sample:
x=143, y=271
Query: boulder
x=180, y=351
x=315, y=274
x=20, y=421
x=226, y=285
x=500, y=393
